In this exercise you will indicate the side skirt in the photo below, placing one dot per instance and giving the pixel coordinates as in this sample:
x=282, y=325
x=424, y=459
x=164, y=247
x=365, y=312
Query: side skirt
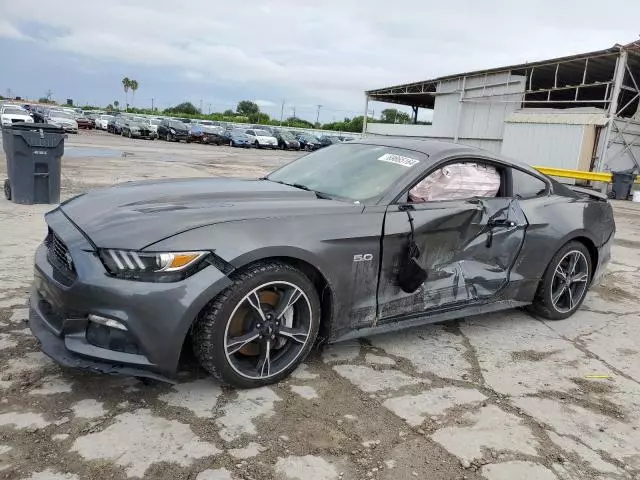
x=400, y=323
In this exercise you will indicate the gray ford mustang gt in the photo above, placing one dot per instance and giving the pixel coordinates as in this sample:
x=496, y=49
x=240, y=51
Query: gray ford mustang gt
x=355, y=239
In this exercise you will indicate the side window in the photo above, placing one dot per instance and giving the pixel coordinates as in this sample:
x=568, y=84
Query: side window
x=526, y=186
x=250, y=132
x=458, y=181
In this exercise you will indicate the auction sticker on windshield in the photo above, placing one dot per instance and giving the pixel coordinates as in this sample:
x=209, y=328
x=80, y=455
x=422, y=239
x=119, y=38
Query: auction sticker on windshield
x=398, y=160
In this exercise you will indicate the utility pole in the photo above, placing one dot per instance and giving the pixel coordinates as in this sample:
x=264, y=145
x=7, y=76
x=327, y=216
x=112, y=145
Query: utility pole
x=152, y=104
x=200, y=105
x=294, y=111
x=209, y=105
x=282, y=111
x=318, y=113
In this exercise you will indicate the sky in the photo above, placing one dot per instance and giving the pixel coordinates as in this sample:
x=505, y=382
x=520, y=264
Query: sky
x=215, y=53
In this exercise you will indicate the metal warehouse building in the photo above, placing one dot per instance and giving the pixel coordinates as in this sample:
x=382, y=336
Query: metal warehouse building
x=577, y=112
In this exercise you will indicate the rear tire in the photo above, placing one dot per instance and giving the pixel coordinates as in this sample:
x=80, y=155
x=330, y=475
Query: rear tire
x=562, y=291
x=217, y=326
x=7, y=189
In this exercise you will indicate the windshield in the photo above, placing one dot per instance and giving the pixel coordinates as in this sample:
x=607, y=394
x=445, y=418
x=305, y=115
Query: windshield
x=309, y=138
x=14, y=111
x=178, y=125
x=155, y=122
x=106, y=117
x=352, y=171
x=286, y=135
x=262, y=133
x=58, y=114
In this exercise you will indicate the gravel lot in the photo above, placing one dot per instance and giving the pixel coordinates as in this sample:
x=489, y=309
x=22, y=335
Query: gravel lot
x=502, y=397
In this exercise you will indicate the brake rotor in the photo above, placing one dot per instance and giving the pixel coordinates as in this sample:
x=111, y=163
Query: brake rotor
x=241, y=321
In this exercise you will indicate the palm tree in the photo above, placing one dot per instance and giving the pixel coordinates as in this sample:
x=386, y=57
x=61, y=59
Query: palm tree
x=116, y=104
x=133, y=85
x=126, y=84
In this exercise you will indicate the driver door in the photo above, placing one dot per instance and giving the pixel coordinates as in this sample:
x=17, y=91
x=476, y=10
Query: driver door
x=467, y=248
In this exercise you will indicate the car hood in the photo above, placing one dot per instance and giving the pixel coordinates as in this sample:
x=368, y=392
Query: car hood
x=134, y=215
x=265, y=138
x=15, y=116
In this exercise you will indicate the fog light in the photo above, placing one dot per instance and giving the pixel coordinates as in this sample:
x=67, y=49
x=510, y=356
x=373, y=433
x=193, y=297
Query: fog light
x=107, y=322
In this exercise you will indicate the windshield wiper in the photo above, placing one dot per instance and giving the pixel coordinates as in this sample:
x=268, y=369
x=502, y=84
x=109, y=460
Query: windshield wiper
x=322, y=195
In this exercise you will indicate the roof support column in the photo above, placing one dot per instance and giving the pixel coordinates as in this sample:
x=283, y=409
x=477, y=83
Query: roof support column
x=415, y=114
x=366, y=114
x=459, y=112
x=618, y=79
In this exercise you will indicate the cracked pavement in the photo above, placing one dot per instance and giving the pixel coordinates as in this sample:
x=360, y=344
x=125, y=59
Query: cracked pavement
x=498, y=397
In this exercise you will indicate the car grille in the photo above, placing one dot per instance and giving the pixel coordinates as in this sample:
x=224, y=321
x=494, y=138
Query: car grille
x=59, y=256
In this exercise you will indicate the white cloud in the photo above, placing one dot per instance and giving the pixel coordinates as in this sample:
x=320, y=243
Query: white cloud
x=7, y=30
x=265, y=103
x=329, y=52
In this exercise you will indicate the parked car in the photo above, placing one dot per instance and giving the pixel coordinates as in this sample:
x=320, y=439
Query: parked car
x=261, y=138
x=102, y=122
x=85, y=122
x=266, y=128
x=173, y=130
x=327, y=140
x=286, y=140
x=62, y=119
x=309, y=142
x=149, y=267
x=10, y=114
x=137, y=127
x=39, y=114
x=153, y=125
x=237, y=138
x=116, y=123
x=207, y=134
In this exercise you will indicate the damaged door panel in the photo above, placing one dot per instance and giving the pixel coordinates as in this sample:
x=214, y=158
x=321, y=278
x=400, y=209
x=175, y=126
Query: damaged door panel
x=466, y=247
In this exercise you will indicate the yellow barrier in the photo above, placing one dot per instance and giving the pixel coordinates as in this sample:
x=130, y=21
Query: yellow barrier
x=579, y=174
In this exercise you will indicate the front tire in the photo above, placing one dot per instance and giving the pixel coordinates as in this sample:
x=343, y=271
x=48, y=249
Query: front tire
x=261, y=328
x=565, y=283
x=7, y=189
x=169, y=139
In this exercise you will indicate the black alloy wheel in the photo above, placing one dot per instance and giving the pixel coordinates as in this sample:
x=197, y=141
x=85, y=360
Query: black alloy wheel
x=259, y=329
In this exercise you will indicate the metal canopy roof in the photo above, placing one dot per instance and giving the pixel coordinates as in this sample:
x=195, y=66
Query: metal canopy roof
x=592, y=72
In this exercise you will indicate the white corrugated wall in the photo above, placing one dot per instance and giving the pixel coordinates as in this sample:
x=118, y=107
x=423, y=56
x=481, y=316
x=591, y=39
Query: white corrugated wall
x=546, y=144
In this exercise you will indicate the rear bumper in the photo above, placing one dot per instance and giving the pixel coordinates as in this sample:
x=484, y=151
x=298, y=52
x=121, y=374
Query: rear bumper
x=157, y=316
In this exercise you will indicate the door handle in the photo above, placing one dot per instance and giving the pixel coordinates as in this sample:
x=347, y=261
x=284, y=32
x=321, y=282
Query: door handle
x=500, y=222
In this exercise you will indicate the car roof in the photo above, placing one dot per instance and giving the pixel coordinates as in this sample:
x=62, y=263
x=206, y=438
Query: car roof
x=439, y=149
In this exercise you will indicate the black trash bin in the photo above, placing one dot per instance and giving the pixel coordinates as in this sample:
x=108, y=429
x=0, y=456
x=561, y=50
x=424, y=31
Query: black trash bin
x=622, y=184
x=33, y=154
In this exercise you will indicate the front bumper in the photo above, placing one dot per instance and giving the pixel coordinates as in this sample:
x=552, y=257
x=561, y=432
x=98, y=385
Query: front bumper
x=157, y=315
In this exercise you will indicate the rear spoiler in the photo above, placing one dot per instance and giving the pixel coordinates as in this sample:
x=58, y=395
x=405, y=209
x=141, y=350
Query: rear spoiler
x=588, y=192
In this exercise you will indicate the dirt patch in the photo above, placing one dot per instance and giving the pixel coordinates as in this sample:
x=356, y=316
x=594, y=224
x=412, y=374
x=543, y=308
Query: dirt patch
x=531, y=355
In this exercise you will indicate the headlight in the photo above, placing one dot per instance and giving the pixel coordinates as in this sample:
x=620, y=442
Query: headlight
x=152, y=266
x=173, y=132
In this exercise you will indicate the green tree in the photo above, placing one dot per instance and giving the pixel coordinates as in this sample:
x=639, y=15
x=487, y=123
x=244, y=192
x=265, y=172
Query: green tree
x=228, y=113
x=116, y=104
x=259, y=117
x=186, y=108
x=126, y=84
x=247, y=108
x=133, y=85
x=298, y=122
x=393, y=115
